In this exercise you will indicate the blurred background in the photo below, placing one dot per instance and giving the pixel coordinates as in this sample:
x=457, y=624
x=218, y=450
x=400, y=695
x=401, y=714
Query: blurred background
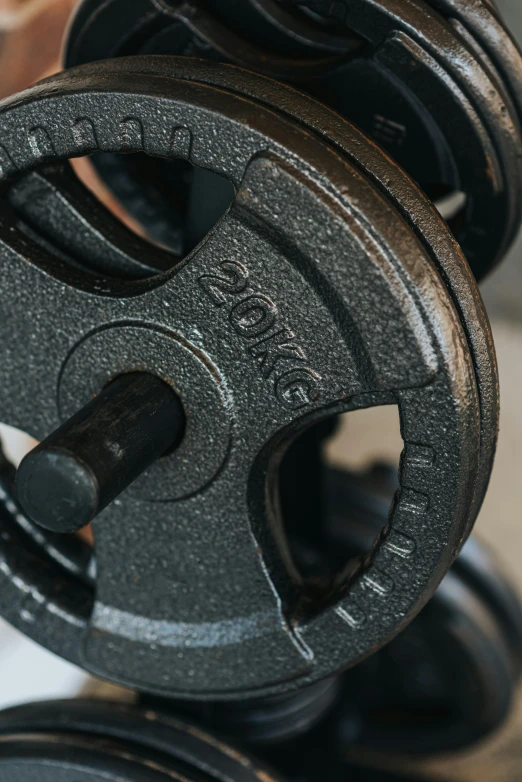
x=30, y=36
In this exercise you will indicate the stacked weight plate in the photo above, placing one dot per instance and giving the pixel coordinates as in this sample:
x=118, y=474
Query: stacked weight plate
x=435, y=84
x=286, y=375
x=302, y=268
x=86, y=740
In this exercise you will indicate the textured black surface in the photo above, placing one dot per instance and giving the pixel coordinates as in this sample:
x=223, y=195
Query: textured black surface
x=283, y=315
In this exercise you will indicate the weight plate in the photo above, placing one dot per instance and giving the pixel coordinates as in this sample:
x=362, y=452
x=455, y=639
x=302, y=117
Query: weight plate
x=372, y=162
x=440, y=110
x=47, y=758
x=449, y=679
x=483, y=21
x=196, y=595
x=62, y=731
x=442, y=685
x=65, y=731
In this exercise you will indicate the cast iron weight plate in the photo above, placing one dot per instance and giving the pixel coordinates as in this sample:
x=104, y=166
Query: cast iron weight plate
x=444, y=684
x=480, y=570
x=480, y=30
x=165, y=740
x=406, y=77
x=195, y=593
x=59, y=204
x=482, y=20
x=82, y=740
x=478, y=22
x=449, y=679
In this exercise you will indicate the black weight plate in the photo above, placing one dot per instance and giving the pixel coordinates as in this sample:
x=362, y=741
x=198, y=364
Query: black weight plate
x=444, y=684
x=60, y=758
x=56, y=758
x=449, y=679
x=484, y=22
x=453, y=126
x=374, y=163
x=113, y=730
x=234, y=622
x=481, y=32
x=356, y=510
